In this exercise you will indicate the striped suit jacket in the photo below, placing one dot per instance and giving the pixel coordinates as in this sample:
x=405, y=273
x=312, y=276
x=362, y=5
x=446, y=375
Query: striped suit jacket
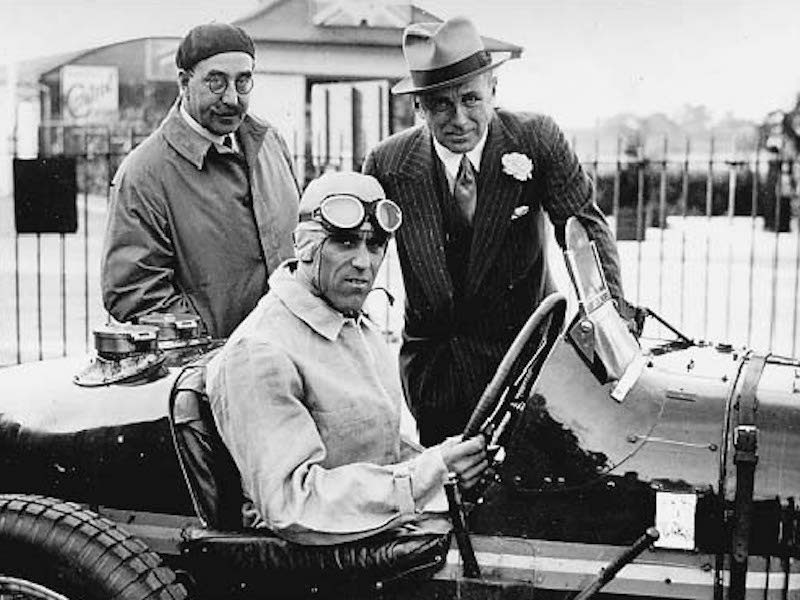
x=453, y=344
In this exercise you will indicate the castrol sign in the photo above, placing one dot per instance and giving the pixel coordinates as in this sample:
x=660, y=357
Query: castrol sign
x=89, y=95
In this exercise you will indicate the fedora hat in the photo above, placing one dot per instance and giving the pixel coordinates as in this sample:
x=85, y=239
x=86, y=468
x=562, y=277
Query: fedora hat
x=442, y=54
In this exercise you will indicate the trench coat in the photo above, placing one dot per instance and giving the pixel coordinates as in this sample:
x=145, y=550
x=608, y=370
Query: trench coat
x=190, y=231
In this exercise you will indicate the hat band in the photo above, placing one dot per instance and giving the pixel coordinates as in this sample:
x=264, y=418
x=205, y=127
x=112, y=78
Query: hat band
x=443, y=74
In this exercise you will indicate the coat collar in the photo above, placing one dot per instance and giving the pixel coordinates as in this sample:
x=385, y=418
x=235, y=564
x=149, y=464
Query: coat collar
x=309, y=308
x=194, y=147
x=420, y=190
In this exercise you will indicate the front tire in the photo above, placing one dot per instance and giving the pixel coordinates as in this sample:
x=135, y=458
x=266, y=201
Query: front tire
x=50, y=549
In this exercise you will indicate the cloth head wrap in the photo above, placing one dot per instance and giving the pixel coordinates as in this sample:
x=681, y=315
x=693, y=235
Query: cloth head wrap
x=309, y=236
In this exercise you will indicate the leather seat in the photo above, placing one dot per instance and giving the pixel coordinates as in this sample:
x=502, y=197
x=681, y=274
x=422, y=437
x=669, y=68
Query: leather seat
x=232, y=557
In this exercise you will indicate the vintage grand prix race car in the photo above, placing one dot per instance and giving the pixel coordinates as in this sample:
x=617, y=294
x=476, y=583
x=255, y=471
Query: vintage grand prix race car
x=672, y=464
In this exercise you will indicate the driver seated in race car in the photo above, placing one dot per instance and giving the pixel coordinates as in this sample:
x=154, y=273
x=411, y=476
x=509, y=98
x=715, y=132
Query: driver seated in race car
x=307, y=396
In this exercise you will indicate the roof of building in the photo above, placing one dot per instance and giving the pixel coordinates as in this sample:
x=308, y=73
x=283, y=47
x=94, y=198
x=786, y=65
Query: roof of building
x=343, y=22
x=130, y=55
x=306, y=22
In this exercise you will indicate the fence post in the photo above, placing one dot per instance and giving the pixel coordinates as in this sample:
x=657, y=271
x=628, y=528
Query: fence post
x=796, y=285
x=17, y=307
x=662, y=217
x=709, y=208
x=640, y=230
x=732, y=178
x=753, y=214
x=39, y=293
x=63, y=268
x=774, y=304
x=684, y=204
x=86, y=184
x=615, y=195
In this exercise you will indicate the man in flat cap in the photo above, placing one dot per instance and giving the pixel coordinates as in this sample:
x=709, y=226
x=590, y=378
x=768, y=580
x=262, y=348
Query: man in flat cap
x=473, y=182
x=203, y=210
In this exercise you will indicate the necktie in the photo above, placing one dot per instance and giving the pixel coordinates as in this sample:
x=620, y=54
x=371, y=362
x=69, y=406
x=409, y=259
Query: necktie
x=465, y=190
x=228, y=142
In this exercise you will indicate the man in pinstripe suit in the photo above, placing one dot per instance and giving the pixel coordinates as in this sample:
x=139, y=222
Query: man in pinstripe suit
x=473, y=182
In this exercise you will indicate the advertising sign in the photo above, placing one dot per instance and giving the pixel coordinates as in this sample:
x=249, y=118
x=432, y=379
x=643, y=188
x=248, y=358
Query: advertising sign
x=89, y=95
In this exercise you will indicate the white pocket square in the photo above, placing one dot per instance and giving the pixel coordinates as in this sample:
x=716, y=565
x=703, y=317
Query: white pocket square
x=520, y=211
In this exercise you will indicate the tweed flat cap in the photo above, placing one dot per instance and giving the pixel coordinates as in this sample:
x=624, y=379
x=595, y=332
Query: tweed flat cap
x=207, y=40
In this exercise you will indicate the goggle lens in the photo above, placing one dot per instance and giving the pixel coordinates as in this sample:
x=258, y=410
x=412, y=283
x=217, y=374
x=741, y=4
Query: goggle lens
x=344, y=212
x=388, y=215
x=349, y=212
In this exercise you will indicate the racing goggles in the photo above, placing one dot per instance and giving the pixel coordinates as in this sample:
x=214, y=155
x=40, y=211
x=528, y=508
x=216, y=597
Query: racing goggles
x=345, y=211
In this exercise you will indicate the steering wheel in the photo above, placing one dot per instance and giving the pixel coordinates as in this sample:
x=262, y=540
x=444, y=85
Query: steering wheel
x=507, y=391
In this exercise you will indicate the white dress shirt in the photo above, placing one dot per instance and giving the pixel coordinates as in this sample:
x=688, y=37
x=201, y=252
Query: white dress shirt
x=217, y=140
x=452, y=160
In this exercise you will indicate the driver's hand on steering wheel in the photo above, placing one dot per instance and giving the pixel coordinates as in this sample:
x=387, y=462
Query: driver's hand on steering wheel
x=467, y=459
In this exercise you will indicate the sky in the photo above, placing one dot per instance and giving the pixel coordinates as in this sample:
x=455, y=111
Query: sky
x=584, y=60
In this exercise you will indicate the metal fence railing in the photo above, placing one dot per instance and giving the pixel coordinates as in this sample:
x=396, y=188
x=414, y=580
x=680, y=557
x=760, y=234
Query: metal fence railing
x=710, y=243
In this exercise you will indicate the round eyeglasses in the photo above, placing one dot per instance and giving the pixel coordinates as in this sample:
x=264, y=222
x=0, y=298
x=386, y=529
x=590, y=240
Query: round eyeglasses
x=217, y=83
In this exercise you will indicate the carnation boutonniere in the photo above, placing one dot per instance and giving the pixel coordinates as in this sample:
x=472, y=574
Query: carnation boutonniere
x=517, y=165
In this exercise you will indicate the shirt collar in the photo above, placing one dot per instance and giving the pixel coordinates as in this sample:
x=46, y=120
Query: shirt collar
x=452, y=160
x=309, y=308
x=217, y=140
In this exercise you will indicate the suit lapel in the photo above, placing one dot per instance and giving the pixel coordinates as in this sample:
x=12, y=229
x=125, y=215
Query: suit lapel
x=498, y=195
x=419, y=193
